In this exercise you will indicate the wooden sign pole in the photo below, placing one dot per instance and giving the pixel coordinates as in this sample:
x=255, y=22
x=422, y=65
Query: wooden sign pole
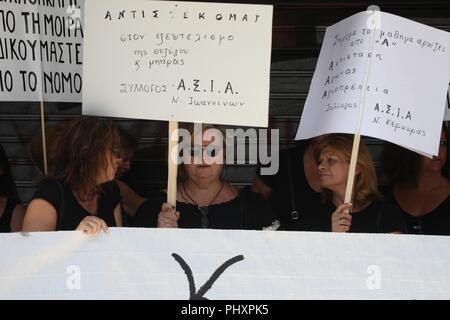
x=172, y=166
x=362, y=103
x=44, y=148
x=352, y=169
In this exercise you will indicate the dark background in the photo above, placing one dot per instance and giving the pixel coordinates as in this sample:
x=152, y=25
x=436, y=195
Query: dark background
x=298, y=30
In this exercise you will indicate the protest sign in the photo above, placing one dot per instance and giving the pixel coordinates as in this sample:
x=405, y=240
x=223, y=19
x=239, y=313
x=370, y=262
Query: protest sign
x=407, y=78
x=177, y=61
x=41, y=51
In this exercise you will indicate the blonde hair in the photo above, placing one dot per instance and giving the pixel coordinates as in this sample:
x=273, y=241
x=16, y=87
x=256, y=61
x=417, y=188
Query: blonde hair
x=366, y=185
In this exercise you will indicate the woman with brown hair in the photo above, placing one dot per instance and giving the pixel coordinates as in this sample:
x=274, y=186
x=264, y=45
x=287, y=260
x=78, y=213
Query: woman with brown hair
x=79, y=192
x=420, y=186
x=367, y=213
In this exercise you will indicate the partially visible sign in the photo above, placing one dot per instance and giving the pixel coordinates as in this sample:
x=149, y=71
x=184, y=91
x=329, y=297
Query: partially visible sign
x=41, y=51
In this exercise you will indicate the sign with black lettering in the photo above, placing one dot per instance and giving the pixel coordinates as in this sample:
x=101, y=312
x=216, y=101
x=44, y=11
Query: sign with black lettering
x=41, y=50
x=177, y=61
x=382, y=76
x=187, y=264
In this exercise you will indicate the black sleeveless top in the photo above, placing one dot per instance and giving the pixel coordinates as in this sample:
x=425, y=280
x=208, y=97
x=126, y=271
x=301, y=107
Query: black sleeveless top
x=69, y=211
x=248, y=211
x=436, y=222
x=5, y=218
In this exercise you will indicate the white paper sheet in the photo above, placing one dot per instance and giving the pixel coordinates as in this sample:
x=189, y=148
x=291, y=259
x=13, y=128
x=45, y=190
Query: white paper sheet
x=407, y=82
x=177, y=61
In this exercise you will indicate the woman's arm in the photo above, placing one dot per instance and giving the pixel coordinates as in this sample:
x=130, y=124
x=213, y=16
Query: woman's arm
x=40, y=216
x=118, y=216
x=130, y=200
x=17, y=218
x=260, y=187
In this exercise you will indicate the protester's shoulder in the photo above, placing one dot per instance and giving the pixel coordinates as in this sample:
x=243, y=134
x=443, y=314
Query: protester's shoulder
x=391, y=217
x=259, y=211
x=147, y=213
x=252, y=197
x=52, y=191
x=49, y=188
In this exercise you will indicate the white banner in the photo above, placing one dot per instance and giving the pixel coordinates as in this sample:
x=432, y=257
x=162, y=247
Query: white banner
x=407, y=81
x=178, y=61
x=41, y=51
x=165, y=263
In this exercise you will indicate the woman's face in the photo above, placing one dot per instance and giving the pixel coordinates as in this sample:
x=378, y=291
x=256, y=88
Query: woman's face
x=113, y=159
x=206, y=163
x=333, y=169
x=437, y=163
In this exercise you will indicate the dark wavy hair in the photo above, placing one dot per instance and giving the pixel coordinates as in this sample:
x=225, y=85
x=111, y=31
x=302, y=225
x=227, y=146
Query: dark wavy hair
x=77, y=152
x=402, y=165
x=7, y=187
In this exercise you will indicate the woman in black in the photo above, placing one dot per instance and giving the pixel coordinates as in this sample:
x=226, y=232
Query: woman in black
x=79, y=192
x=420, y=187
x=11, y=210
x=294, y=191
x=367, y=213
x=204, y=200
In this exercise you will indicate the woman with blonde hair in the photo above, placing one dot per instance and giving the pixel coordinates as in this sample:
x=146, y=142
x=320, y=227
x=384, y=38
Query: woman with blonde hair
x=204, y=199
x=78, y=192
x=367, y=213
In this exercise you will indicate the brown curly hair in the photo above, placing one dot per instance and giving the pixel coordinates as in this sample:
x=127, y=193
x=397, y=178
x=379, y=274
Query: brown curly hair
x=77, y=152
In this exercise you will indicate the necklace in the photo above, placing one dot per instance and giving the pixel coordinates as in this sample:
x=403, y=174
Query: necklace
x=204, y=222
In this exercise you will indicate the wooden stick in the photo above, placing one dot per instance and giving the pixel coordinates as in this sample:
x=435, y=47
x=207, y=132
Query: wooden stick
x=352, y=169
x=44, y=148
x=357, y=138
x=172, y=166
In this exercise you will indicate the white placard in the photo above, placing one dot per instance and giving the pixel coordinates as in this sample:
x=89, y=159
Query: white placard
x=177, y=61
x=41, y=51
x=407, y=81
x=148, y=264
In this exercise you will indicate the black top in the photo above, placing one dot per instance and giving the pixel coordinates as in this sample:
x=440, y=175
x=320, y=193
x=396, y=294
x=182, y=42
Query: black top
x=70, y=215
x=5, y=218
x=378, y=217
x=291, y=192
x=247, y=211
x=436, y=222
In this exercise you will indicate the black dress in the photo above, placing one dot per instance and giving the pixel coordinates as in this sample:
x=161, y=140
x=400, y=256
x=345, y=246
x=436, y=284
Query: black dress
x=5, y=218
x=296, y=204
x=435, y=222
x=378, y=217
x=247, y=211
x=69, y=212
